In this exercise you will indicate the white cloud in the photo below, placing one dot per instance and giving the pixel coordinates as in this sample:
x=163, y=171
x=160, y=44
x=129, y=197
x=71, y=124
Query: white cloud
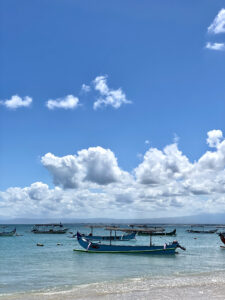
x=218, y=24
x=108, y=97
x=68, y=102
x=91, y=184
x=95, y=165
x=214, y=138
x=147, y=142
x=16, y=102
x=160, y=167
x=215, y=46
x=85, y=88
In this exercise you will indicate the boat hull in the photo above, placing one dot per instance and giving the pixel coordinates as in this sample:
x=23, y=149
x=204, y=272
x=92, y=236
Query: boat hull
x=157, y=252
x=11, y=233
x=222, y=237
x=202, y=231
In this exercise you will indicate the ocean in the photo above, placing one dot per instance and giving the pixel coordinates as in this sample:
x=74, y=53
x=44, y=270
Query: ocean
x=57, y=272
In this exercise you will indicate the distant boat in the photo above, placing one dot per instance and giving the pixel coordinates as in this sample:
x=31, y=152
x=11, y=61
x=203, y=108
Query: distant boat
x=112, y=237
x=171, y=233
x=49, y=228
x=144, y=230
x=8, y=233
x=147, y=226
x=91, y=247
x=201, y=231
x=124, y=237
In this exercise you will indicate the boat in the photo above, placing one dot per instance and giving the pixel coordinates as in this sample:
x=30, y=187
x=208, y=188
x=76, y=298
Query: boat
x=91, y=247
x=222, y=236
x=49, y=228
x=114, y=237
x=147, y=226
x=200, y=231
x=171, y=233
x=146, y=231
x=8, y=233
x=124, y=237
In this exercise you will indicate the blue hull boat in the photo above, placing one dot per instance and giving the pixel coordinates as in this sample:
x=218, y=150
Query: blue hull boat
x=91, y=247
x=124, y=237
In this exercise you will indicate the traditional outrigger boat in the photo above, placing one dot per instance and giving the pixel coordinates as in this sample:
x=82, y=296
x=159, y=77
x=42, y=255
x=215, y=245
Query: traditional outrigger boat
x=145, y=230
x=8, y=233
x=115, y=237
x=49, y=228
x=124, y=237
x=155, y=233
x=91, y=247
x=200, y=231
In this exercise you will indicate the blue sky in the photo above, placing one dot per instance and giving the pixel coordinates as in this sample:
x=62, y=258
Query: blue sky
x=154, y=51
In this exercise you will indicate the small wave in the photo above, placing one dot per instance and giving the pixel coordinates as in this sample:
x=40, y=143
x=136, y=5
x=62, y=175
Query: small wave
x=201, y=286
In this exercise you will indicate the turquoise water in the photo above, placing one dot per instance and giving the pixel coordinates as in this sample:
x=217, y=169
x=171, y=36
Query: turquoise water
x=24, y=267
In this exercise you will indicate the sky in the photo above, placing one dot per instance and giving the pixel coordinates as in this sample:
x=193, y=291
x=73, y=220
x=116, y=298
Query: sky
x=112, y=108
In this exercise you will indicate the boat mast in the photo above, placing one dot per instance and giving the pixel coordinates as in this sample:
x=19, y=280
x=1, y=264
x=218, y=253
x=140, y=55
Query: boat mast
x=150, y=239
x=110, y=239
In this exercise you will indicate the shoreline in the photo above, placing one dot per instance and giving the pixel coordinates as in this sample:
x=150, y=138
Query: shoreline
x=201, y=286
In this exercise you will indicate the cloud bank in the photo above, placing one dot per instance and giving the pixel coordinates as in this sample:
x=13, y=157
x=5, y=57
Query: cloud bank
x=90, y=183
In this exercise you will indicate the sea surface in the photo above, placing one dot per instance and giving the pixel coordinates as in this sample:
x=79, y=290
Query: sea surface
x=57, y=272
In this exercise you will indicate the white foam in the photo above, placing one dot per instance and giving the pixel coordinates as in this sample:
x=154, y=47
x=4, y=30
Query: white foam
x=201, y=286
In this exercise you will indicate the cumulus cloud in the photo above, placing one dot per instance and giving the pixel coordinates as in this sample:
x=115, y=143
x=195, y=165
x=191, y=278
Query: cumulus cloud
x=218, y=24
x=214, y=138
x=215, y=46
x=108, y=97
x=94, y=165
x=91, y=183
x=15, y=102
x=68, y=102
x=160, y=167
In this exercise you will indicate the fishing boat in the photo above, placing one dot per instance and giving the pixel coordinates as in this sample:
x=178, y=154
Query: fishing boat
x=91, y=247
x=7, y=233
x=147, y=226
x=49, y=228
x=114, y=237
x=124, y=237
x=191, y=230
x=222, y=237
x=171, y=233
